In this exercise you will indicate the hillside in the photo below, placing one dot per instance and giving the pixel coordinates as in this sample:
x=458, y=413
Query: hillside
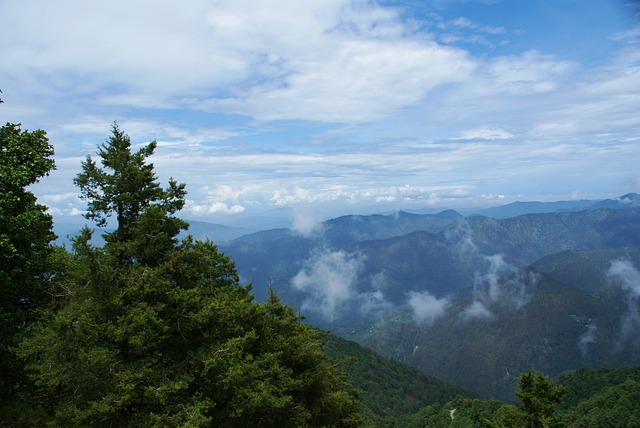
x=596, y=398
x=486, y=350
x=587, y=269
x=388, y=388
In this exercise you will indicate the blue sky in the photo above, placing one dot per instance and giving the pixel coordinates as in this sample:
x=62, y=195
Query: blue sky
x=331, y=107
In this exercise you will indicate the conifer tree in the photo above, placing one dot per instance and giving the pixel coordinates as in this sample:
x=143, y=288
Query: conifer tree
x=152, y=331
x=539, y=399
x=126, y=187
x=25, y=237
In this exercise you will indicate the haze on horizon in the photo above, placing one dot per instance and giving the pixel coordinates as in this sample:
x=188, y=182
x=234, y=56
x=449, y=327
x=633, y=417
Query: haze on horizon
x=335, y=106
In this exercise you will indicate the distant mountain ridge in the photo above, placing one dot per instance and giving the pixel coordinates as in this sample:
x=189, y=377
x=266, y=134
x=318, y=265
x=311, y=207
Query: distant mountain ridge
x=514, y=209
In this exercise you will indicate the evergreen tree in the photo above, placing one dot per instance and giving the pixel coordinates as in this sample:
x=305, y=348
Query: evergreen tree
x=25, y=237
x=149, y=331
x=539, y=399
x=126, y=186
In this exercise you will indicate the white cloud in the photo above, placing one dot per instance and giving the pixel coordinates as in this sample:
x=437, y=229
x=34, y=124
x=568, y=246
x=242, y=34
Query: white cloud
x=485, y=134
x=626, y=275
x=373, y=303
x=427, y=124
x=476, y=310
x=66, y=212
x=498, y=283
x=426, y=307
x=361, y=80
x=329, y=279
x=531, y=72
x=212, y=208
x=623, y=273
x=334, y=60
x=462, y=30
x=57, y=198
x=306, y=220
x=587, y=338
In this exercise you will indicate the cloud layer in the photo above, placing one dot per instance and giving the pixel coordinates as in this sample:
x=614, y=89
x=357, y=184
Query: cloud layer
x=339, y=103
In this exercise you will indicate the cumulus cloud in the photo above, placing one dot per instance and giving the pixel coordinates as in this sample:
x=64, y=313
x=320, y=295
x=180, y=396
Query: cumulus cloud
x=66, y=212
x=334, y=60
x=212, y=208
x=623, y=274
x=329, y=280
x=426, y=307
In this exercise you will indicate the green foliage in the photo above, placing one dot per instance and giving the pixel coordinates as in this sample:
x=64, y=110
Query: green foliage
x=586, y=383
x=614, y=406
x=149, y=331
x=25, y=236
x=597, y=398
x=459, y=412
x=396, y=389
x=126, y=187
x=602, y=397
x=539, y=399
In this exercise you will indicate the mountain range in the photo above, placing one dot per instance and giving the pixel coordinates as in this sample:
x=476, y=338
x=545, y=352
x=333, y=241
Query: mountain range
x=472, y=299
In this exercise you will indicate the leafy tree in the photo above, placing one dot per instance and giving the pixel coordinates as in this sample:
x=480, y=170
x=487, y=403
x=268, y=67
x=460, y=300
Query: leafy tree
x=149, y=331
x=25, y=237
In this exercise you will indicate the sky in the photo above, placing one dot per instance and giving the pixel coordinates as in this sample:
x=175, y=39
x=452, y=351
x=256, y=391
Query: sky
x=318, y=108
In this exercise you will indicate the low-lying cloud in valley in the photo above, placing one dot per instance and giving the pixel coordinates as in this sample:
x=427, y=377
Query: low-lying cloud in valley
x=589, y=337
x=496, y=281
x=426, y=307
x=623, y=274
x=501, y=285
x=329, y=279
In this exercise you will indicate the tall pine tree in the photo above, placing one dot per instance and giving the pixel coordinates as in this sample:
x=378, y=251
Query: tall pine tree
x=152, y=331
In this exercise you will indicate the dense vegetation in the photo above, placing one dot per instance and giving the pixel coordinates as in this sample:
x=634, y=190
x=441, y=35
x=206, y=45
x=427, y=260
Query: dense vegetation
x=388, y=388
x=25, y=234
x=581, y=399
x=151, y=329
x=147, y=330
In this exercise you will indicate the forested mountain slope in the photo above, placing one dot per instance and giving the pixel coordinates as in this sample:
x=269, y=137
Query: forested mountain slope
x=462, y=303
x=388, y=388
